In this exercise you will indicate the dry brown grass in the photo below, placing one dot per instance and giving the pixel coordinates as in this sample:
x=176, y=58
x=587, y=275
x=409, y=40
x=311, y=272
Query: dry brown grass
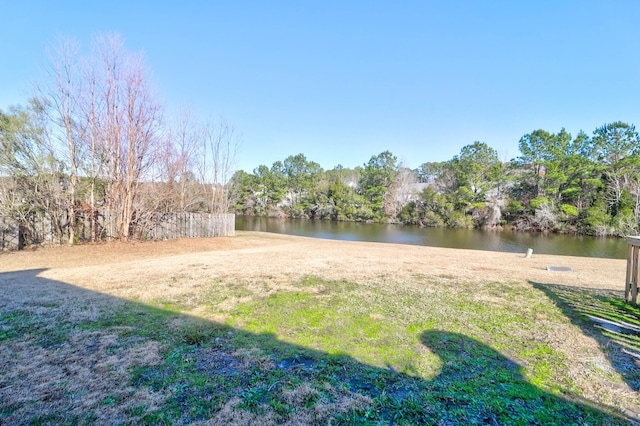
x=280, y=257
x=43, y=375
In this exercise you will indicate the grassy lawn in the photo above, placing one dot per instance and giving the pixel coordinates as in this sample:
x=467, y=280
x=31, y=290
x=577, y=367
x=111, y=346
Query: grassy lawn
x=427, y=350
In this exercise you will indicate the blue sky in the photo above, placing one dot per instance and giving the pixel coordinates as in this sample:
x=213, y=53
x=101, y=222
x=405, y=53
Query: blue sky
x=340, y=81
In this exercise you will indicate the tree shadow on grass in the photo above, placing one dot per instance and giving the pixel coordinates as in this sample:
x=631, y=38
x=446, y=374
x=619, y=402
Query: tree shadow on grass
x=481, y=386
x=603, y=315
x=69, y=355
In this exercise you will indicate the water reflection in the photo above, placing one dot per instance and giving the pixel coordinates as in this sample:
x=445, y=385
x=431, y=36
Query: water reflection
x=505, y=240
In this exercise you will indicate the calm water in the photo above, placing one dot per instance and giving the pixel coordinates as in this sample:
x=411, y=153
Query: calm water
x=506, y=240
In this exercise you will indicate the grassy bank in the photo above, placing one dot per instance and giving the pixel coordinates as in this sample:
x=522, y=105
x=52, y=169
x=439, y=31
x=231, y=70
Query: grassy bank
x=187, y=344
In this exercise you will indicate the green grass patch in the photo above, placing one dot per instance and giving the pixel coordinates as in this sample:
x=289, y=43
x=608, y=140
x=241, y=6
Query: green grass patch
x=406, y=356
x=340, y=352
x=16, y=323
x=44, y=332
x=134, y=320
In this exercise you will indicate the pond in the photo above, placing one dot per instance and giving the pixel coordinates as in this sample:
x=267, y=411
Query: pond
x=476, y=239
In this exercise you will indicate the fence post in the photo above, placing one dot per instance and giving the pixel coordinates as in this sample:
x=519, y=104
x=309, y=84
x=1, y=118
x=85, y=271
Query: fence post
x=633, y=264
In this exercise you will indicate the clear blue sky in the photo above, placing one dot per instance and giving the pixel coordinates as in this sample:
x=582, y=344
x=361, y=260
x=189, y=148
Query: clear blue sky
x=340, y=81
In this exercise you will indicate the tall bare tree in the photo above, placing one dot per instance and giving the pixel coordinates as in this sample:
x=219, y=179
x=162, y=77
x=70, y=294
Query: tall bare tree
x=401, y=191
x=188, y=136
x=61, y=94
x=141, y=134
x=124, y=122
x=92, y=109
x=221, y=148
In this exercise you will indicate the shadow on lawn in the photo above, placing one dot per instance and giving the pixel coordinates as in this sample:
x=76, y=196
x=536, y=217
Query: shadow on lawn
x=71, y=355
x=603, y=315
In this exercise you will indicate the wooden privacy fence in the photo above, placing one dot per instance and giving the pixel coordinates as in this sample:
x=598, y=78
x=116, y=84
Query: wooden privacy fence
x=38, y=228
x=10, y=237
x=631, y=286
x=189, y=225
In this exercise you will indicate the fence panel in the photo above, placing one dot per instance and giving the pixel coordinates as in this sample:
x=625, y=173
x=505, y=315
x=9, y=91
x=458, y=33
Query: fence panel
x=10, y=238
x=187, y=225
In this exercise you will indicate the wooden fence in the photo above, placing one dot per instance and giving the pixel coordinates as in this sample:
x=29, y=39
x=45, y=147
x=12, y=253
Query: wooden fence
x=189, y=225
x=10, y=236
x=39, y=229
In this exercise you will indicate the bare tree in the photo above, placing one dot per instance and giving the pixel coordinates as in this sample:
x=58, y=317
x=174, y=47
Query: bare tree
x=188, y=136
x=141, y=138
x=222, y=145
x=126, y=134
x=60, y=95
x=108, y=63
x=92, y=109
x=166, y=196
x=401, y=191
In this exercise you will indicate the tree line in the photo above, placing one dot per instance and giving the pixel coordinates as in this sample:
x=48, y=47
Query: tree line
x=94, y=137
x=583, y=184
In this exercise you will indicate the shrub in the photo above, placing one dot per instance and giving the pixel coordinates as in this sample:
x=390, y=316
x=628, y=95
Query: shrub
x=626, y=222
x=539, y=202
x=459, y=220
x=596, y=221
x=432, y=219
x=569, y=210
x=513, y=209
